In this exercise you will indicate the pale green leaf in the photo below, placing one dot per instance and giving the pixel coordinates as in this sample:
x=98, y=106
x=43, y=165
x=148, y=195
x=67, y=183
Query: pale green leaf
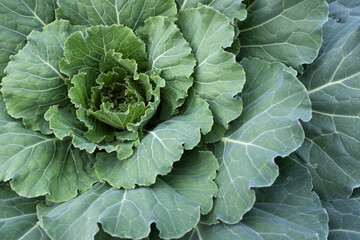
x=286, y=210
x=281, y=30
x=18, y=218
x=41, y=165
x=131, y=13
x=136, y=101
x=87, y=49
x=217, y=78
x=159, y=149
x=331, y=148
x=233, y=9
x=274, y=101
x=114, y=59
x=17, y=19
x=172, y=204
x=97, y=131
x=34, y=82
x=169, y=52
x=130, y=104
x=65, y=123
x=344, y=218
x=79, y=95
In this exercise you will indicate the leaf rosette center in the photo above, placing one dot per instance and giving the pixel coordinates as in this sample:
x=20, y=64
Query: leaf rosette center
x=114, y=91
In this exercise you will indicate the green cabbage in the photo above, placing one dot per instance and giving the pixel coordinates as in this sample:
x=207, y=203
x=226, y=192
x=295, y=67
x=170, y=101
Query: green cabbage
x=168, y=119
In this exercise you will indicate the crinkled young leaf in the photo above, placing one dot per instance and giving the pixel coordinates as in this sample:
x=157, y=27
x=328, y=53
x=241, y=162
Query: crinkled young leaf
x=79, y=95
x=64, y=123
x=218, y=78
x=169, y=52
x=18, y=218
x=87, y=49
x=34, y=82
x=286, y=210
x=114, y=59
x=17, y=19
x=169, y=203
x=121, y=98
x=281, y=30
x=331, y=148
x=37, y=164
x=274, y=101
x=344, y=218
x=82, y=83
x=116, y=83
x=131, y=13
x=123, y=101
x=159, y=149
x=233, y=9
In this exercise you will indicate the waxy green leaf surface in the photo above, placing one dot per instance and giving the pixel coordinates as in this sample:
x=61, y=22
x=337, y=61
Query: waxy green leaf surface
x=218, y=78
x=172, y=204
x=169, y=52
x=331, y=148
x=281, y=30
x=41, y=165
x=159, y=149
x=344, y=218
x=18, y=218
x=34, y=81
x=233, y=9
x=131, y=13
x=17, y=19
x=286, y=210
x=274, y=101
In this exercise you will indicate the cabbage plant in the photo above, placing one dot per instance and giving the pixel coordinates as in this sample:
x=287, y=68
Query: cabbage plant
x=186, y=119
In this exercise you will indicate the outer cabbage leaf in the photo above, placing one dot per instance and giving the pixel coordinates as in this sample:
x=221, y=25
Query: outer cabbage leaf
x=174, y=203
x=17, y=19
x=269, y=126
x=331, y=148
x=159, y=149
x=344, y=218
x=169, y=52
x=131, y=13
x=286, y=210
x=233, y=9
x=18, y=218
x=281, y=30
x=341, y=10
x=34, y=82
x=218, y=78
x=39, y=164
